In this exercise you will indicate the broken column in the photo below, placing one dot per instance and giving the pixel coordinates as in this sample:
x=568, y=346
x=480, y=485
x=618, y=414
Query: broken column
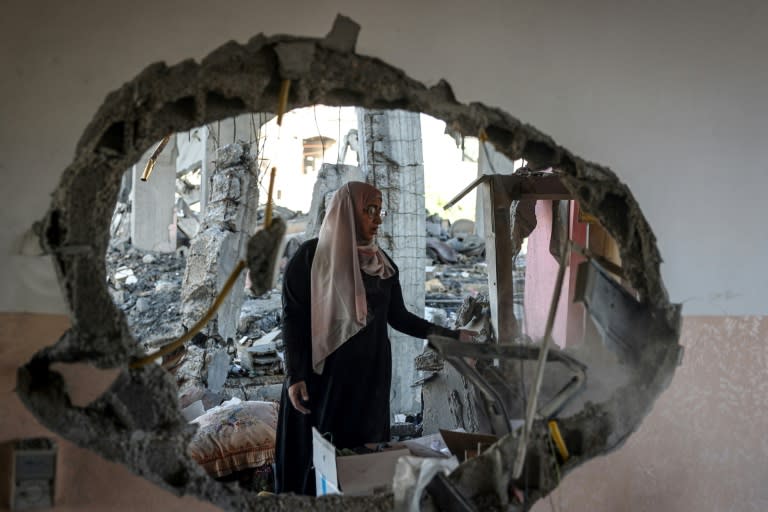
x=392, y=161
x=229, y=220
x=153, y=200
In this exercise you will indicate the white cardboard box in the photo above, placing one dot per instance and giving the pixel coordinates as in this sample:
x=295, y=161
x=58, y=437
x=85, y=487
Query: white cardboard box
x=356, y=475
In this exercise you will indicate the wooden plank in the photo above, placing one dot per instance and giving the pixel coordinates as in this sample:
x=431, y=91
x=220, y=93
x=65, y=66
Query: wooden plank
x=466, y=191
x=498, y=253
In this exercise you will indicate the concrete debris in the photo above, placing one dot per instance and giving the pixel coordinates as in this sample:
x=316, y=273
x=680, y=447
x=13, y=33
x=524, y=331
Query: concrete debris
x=468, y=244
x=437, y=227
x=193, y=410
x=266, y=344
x=449, y=400
x=462, y=228
x=213, y=253
x=259, y=316
x=142, y=305
x=429, y=361
x=451, y=243
x=218, y=370
x=405, y=430
x=243, y=358
x=151, y=302
x=122, y=273
x=163, y=286
x=265, y=248
x=206, y=396
x=120, y=227
x=440, y=252
x=343, y=35
x=264, y=353
x=434, y=286
x=188, y=226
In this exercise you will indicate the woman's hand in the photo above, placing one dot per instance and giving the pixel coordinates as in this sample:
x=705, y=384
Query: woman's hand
x=296, y=393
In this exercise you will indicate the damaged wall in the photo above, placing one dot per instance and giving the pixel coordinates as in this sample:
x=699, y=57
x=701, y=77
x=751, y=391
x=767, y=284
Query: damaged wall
x=650, y=93
x=668, y=103
x=137, y=420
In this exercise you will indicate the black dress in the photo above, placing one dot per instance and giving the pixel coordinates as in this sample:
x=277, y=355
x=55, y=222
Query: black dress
x=350, y=400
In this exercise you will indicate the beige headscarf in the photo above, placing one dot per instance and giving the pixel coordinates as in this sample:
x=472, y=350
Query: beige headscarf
x=339, y=306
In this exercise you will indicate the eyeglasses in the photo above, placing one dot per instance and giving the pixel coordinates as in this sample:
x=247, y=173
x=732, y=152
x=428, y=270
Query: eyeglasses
x=373, y=211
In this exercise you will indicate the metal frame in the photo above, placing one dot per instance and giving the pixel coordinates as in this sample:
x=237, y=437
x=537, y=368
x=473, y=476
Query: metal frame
x=455, y=353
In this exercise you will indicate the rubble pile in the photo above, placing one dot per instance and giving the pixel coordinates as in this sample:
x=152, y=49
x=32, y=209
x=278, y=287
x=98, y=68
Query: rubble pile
x=146, y=286
x=447, y=285
x=453, y=242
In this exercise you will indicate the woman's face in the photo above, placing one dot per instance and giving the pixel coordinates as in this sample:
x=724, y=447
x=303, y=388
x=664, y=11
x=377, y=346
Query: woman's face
x=368, y=218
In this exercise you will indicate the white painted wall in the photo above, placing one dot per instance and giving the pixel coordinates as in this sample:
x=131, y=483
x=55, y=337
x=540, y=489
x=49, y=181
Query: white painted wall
x=671, y=95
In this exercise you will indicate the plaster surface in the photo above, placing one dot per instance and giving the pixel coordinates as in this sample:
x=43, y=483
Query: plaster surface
x=669, y=95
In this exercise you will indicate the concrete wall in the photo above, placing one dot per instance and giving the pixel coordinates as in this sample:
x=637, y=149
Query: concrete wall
x=703, y=446
x=669, y=94
x=84, y=481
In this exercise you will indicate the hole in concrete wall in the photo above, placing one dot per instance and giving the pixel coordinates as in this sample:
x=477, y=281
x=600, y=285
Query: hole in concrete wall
x=139, y=418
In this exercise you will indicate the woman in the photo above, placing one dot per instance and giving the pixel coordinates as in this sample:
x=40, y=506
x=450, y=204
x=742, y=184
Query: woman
x=340, y=291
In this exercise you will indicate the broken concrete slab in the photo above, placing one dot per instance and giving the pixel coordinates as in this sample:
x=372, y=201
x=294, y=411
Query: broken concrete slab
x=264, y=250
x=266, y=344
x=229, y=219
x=343, y=35
x=218, y=370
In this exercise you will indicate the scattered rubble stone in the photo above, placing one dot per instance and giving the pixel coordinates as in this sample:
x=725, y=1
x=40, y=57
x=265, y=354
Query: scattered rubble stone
x=151, y=312
x=218, y=370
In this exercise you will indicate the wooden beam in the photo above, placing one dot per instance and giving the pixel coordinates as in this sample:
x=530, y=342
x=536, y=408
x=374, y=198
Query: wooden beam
x=466, y=191
x=498, y=256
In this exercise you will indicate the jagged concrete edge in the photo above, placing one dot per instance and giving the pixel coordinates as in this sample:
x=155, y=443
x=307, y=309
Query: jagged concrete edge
x=237, y=78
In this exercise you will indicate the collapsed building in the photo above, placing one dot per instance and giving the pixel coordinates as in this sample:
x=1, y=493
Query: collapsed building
x=633, y=314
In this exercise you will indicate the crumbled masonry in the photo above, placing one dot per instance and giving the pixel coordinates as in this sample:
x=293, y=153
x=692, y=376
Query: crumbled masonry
x=223, y=237
x=137, y=422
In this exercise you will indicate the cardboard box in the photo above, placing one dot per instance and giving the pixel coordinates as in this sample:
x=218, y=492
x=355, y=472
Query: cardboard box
x=356, y=475
x=466, y=445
